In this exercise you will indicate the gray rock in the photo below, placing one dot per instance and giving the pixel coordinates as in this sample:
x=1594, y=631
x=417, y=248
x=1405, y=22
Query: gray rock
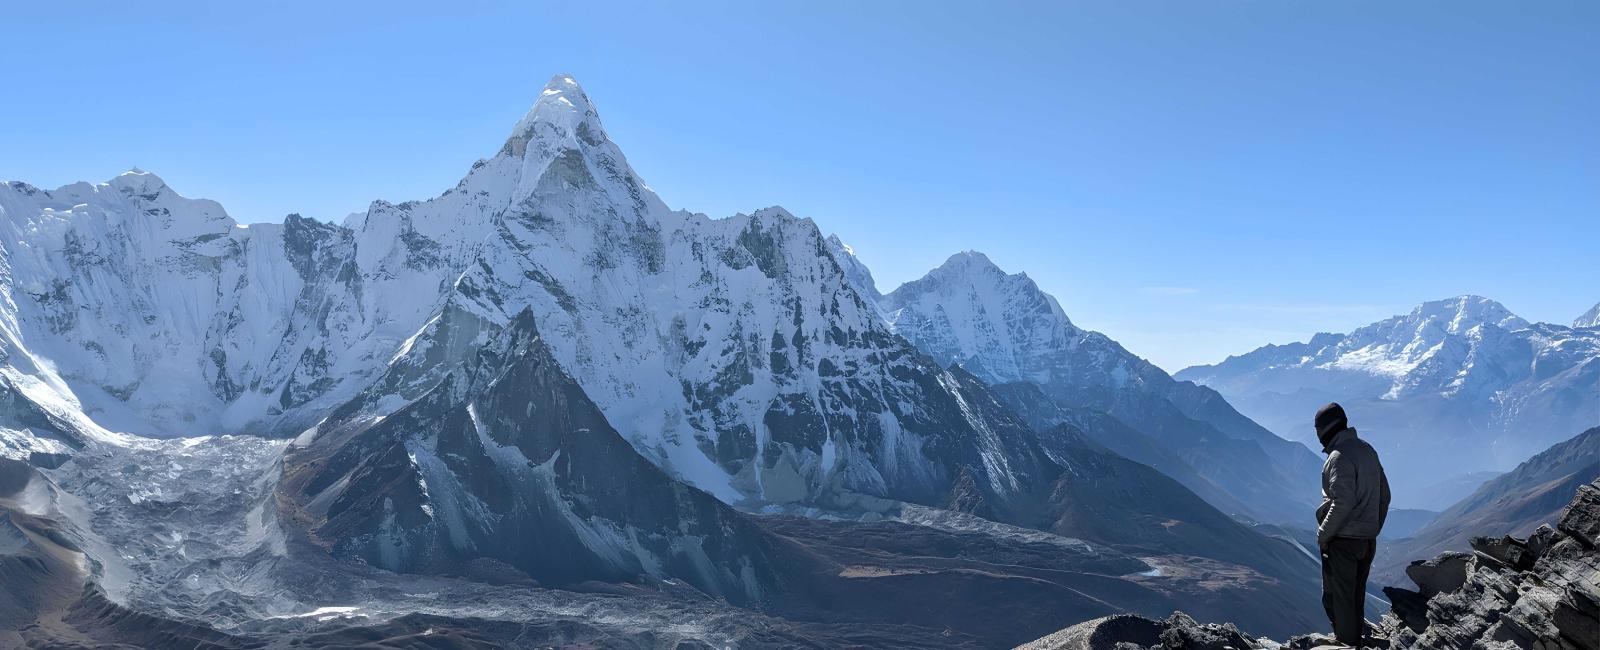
x=1309, y=642
x=1105, y=633
x=1577, y=616
x=1542, y=539
x=1410, y=607
x=1506, y=550
x=1128, y=632
x=1183, y=633
x=1581, y=518
x=1447, y=572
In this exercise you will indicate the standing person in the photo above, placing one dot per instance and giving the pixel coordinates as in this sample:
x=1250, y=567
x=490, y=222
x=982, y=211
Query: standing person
x=1355, y=502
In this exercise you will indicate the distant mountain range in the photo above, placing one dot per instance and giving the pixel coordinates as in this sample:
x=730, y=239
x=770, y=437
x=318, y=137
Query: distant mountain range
x=1455, y=387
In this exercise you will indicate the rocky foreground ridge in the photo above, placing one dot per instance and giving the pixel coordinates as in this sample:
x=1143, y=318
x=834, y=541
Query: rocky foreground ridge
x=1542, y=592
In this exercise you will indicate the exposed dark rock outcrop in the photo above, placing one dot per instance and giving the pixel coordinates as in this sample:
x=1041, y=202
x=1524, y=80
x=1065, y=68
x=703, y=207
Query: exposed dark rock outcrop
x=1542, y=592
x=1447, y=572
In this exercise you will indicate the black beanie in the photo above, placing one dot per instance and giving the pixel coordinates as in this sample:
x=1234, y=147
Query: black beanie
x=1330, y=420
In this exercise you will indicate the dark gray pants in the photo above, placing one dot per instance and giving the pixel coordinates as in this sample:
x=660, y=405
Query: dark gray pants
x=1345, y=565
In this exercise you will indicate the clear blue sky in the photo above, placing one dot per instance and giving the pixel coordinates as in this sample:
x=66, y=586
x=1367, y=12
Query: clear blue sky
x=1195, y=178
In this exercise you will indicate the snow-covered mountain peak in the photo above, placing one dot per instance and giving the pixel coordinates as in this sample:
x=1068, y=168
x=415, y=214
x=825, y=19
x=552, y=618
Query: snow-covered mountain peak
x=566, y=88
x=1432, y=337
x=972, y=271
x=775, y=212
x=1589, y=318
x=172, y=210
x=969, y=261
x=136, y=201
x=565, y=110
x=1005, y=330
x=138, y=181
x=563, y=94
x=561, y=150
x=971, y=312
x=1462, y=313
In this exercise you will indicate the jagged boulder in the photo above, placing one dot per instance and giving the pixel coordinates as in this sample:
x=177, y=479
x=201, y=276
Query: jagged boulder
x=1506, y=550
x=1539, y=593
x=1410, y=607
x=1541, y=539
x=1184, y=633
x=1581, y=518
x=1447, y=572
x=1536, y=593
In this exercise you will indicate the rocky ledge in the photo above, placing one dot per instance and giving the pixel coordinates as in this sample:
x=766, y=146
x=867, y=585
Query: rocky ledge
x=1542, y=592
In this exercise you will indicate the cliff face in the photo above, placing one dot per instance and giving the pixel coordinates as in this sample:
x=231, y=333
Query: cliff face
x=1540, y=592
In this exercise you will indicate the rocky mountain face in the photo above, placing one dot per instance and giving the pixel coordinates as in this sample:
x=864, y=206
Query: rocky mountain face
x=1542, y=592
x=1456, y=386
x=1015, y=337
x=1589, y=318
x=505, y=458
x=1517, y=503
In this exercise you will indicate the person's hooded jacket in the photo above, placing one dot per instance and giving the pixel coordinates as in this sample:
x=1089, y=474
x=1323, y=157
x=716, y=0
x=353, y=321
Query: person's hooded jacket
x=1355, y=493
